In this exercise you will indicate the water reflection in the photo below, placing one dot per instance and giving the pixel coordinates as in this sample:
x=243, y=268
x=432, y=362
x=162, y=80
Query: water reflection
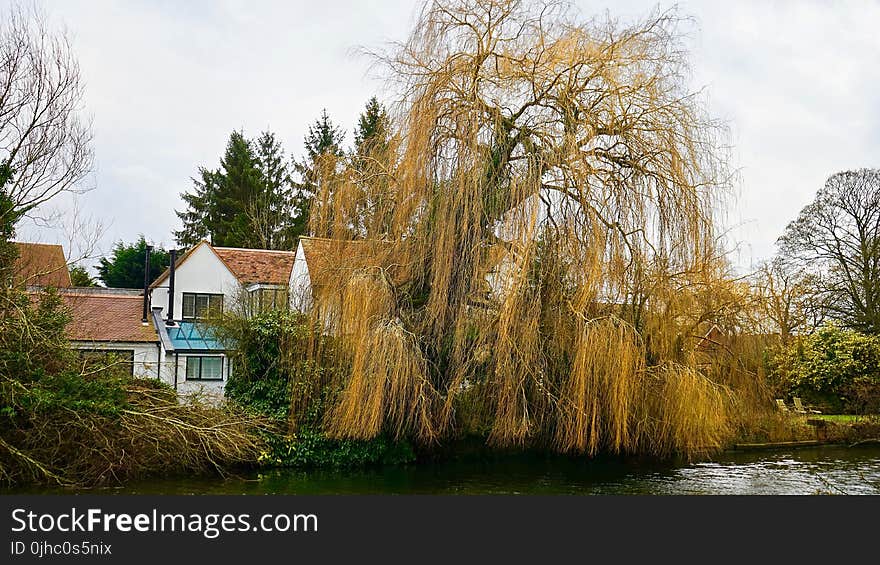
x=827, y=470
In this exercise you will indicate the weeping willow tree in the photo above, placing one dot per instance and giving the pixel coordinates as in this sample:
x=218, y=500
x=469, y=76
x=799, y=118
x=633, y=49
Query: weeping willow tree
x=545, y=243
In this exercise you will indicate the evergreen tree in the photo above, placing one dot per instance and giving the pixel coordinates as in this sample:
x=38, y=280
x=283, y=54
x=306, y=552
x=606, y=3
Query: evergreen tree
x=372, y=162
x=271, y=212
x=247, y=202
x=324, y=154
x=374, y=126
x=238, y=187
x=195, y=217
x=125, y=268
x=79, y=276
x=217, y=208
x=324, y=138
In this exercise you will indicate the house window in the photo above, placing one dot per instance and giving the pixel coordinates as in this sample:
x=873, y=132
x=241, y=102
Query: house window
x=204, y=368
x=197, y=306
x=266, y=299
x=109, y=357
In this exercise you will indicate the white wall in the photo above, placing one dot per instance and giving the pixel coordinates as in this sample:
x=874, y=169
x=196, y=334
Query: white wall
x=203, y=272
x=146, y=355
x=210, y=390
x=300, y=282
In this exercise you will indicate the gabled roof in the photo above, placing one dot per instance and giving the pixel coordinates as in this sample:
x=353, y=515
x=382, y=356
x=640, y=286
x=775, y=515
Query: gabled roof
x=107, y=317
x=41, y=264
x=249, y=266
x=254, y=266
x=329, y=259
x=179, y=262
x=713, y=338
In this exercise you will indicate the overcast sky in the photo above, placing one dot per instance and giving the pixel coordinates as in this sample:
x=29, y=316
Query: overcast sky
x=166, y=81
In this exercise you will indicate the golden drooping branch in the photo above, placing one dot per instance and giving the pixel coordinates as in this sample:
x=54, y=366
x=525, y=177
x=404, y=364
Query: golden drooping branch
x=548, y=200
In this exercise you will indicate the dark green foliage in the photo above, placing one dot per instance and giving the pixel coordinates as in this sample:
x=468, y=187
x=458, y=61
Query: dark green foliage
x=247, y=202
x=195, y=218
x=269, y=352
x=9, y=215
x=324, y=137
x=836, y=368
x=276, y=225
x=5, y=174
x=125, y=267
x=270, y=359
x=79, y=276
x=238, y=184
x=374, y=128
x=310, y=448
x=323, y=141
x=103, y=394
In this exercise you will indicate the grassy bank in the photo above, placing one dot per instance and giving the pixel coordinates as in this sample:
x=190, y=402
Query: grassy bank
x=774, y=430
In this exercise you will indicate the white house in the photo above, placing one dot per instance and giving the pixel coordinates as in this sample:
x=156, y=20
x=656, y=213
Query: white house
x=204, y=279
x=105, y=321
x=159, y=330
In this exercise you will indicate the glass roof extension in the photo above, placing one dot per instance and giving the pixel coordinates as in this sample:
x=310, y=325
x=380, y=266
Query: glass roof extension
x=192, y=336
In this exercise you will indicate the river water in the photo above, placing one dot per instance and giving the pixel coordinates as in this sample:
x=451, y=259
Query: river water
x=817, y=470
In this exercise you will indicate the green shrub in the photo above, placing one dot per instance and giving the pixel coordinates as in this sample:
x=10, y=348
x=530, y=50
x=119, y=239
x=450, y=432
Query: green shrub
x=310, y=448
x=270, y=360
x=102, y=394
x=836, y=368
x=262, y=375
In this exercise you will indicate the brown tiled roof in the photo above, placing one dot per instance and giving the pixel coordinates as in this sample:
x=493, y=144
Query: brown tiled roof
x=107, y=317
x=330, y=259
x=251, y=266
x=41, y=264
x=713, y=339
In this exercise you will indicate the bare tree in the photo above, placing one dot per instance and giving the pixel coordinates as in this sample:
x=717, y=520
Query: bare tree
x=790, y=298
x=81, y=235
x=837, y=238
x=43, y=140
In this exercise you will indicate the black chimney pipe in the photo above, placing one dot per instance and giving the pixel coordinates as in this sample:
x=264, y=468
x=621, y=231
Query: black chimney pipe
x=170, y=320
x=147, y=282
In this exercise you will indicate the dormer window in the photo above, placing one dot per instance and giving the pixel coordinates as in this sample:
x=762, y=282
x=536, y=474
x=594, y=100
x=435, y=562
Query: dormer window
x=266, y=298
x=197, y=306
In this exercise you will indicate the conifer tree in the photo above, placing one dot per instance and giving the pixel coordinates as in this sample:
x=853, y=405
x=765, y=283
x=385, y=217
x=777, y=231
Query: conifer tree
x=371, y=162
x=318, y=170
x=125, y=266
x=373, y=129
x=247, y=202
x=238, y=187
x=195, y=217
x=270, y=213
